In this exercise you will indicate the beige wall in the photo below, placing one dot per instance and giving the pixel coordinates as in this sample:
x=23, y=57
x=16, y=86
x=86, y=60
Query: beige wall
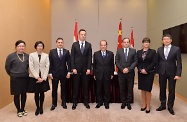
x=29, y=20
x=163, y=14
x=100, y=18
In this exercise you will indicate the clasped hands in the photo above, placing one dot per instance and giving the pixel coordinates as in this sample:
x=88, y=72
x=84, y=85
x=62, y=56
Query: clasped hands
x=143, y=71
x=87, y=72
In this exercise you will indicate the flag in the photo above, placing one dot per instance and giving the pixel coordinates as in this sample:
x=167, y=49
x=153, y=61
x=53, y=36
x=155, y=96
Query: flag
x=119, y=35
x=75, y=37
x=132, y=39
x=119, y=38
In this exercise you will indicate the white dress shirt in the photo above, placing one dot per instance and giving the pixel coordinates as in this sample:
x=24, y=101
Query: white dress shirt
x=80, y=43
x=127, y=51
x=58, y=51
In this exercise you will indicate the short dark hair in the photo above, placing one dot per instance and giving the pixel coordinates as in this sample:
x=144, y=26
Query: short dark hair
x=59, y=39
x=18, y=42
x=37, y=43
x=146, y=39
x=126, y=38
x=82, y=30
x=167, y=35
x=103, y=41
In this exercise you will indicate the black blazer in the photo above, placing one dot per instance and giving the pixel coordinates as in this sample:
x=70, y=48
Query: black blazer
x=81, y=62
x=121, y=62
x=103, y=67
x=149, y=63
x=59, y=67
x=173, y=64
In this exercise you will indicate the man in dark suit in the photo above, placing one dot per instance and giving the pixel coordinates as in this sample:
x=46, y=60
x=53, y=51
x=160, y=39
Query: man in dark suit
x=81, y=59
x=126, y=61
x=169, y=67
x=103, y=67
x=59, y=70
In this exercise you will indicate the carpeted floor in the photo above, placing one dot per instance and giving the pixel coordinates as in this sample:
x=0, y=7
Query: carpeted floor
x=81, y=114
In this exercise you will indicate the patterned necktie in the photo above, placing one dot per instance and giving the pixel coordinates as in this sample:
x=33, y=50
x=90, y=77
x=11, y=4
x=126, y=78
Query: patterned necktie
x=82, y=48
x=126, y=54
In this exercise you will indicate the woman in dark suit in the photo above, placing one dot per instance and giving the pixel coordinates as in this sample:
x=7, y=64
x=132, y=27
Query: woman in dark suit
x=16, y=66
x=146, y=69
x=39, y=68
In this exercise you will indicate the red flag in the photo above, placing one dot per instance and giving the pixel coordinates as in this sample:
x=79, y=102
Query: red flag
x=132, y=39
x=75, y=37
x=119, y=38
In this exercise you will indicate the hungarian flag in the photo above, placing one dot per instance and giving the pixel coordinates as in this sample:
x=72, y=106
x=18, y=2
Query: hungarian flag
x=75, y=37
x=119, y=38
x=132, y=39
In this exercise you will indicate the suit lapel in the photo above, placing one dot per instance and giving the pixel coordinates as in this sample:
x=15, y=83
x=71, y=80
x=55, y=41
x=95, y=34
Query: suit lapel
x=85, y=47
x=100, y=55
x=56, y=54
x=162, y=53
x=36, y=56
x=171, y=49
x=78, y=46
x=128, y=55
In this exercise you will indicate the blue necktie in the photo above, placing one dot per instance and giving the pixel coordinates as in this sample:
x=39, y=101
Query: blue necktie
x=104, y=55
x=82, y=48
x=126, y=54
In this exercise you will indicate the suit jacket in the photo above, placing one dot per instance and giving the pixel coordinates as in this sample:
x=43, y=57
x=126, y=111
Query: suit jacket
x=149, y=63
x=81, y=62
x=173, y=64
x=59, y=67
x=121, y=62
x=36, y=66
x=103, y=67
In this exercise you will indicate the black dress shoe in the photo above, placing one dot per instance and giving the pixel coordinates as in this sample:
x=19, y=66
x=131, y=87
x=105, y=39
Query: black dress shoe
x=160, y=108
x=64, y=105
x=147, y=111
x=123, y=105
x=106, y=106
x=87, y=106
x=37, y=111
x=53, y=107
x=129, y=106
x=74, y=106
x=98, y=105
x=171, y=111
x=41, y=110
x=142, y=109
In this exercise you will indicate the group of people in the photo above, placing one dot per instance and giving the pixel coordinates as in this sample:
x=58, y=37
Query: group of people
x=30, y=73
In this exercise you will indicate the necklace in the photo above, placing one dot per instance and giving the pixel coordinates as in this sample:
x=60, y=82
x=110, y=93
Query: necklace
x=20, y=58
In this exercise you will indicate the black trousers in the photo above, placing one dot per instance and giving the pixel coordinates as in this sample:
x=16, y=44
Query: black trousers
x=55, y=82
x=171, y=86
x=103, y=90
x=126, y=82
x=77, y=78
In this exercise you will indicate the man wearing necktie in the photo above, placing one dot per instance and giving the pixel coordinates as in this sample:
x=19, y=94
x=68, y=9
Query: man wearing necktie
x=59, y=70
x=126, y=60
x=103, y=69
x=81, y=60
x=169, y=68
